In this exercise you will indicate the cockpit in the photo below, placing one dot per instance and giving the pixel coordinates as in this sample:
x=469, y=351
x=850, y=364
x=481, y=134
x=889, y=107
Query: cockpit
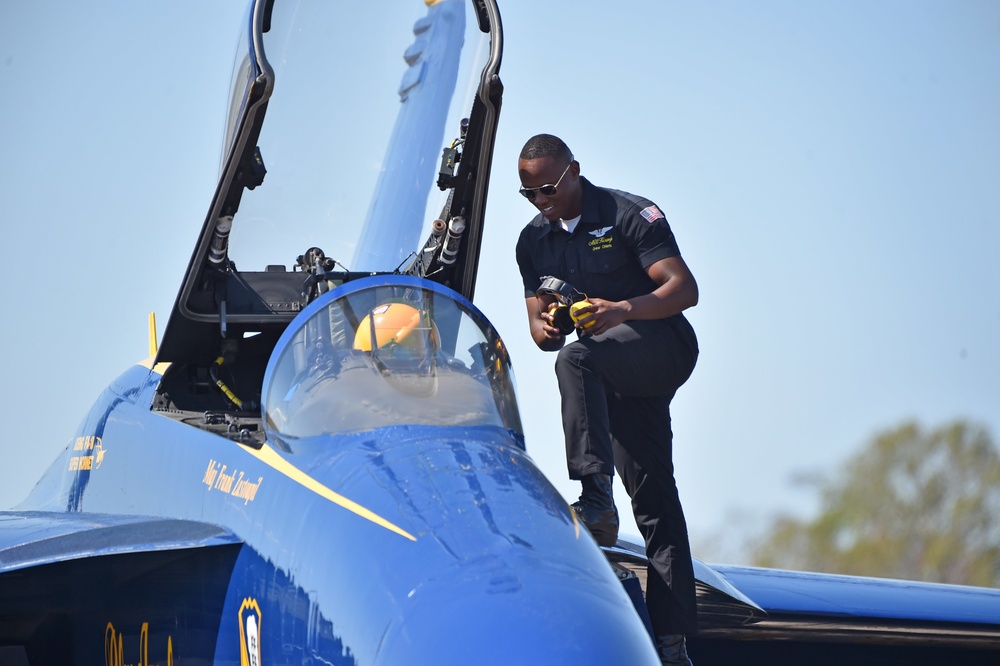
x=390, y=351
x=393, y=181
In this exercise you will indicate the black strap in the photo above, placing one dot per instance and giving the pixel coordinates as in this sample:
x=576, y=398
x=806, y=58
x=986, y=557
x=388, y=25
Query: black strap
x=564, y=291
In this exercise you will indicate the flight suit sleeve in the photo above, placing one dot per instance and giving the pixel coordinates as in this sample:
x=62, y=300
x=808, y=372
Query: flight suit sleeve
x=648, y=233
x=525, y=264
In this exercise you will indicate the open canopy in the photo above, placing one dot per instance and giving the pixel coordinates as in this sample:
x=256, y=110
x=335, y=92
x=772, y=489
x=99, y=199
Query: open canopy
x=378, y=138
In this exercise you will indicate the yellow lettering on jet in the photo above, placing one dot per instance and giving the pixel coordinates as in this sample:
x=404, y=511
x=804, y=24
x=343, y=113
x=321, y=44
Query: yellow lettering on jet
x=114, y=649
x=246, y=490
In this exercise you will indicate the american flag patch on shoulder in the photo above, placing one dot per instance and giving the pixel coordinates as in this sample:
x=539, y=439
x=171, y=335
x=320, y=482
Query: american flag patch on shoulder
x=652, y=214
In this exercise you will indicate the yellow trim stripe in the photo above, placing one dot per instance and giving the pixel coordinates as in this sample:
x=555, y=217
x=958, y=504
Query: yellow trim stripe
x=576, y=523
x=158, y=368
x=270, y=457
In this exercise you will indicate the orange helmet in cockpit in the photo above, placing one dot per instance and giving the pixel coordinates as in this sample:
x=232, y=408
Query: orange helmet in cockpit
x=395, y=324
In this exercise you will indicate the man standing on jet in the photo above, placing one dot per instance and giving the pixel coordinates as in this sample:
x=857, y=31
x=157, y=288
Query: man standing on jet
x=616, y=381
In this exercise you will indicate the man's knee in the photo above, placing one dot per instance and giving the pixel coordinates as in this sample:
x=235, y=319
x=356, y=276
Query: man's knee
x=570, y=359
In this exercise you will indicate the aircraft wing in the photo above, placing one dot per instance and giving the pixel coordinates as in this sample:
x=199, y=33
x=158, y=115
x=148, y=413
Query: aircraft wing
x=35, y=538
x=752, y=615
x=835, y=607
x=100, y=573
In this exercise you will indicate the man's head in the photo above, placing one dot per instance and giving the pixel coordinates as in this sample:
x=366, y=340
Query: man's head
x=550, y=177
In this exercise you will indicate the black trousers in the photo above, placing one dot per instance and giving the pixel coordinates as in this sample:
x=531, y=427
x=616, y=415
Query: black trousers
x=616, y=390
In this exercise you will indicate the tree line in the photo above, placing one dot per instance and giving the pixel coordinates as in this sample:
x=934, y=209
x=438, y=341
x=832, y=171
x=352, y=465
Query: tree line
x=913, y=504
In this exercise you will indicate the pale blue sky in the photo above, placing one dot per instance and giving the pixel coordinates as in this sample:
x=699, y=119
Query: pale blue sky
x=830, y=170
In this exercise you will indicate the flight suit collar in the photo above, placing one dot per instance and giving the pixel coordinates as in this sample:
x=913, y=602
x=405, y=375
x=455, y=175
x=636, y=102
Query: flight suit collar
x=591, y=211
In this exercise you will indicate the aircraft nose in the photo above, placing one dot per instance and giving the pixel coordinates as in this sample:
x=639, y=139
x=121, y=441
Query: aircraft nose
x=499, y=617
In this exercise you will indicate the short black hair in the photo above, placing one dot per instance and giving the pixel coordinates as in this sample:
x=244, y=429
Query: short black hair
x=545, y=145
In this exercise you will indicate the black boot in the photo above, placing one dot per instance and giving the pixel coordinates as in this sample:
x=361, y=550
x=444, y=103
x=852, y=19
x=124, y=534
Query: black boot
x=672, y=649
x=596, y=509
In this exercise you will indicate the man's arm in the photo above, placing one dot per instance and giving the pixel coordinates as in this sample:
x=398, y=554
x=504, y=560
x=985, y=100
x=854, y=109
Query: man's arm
x=545, y=335
x=677, y=291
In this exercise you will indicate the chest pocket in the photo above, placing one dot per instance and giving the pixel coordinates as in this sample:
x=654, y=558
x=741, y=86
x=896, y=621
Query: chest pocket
x=605, y=253
x=609, y=267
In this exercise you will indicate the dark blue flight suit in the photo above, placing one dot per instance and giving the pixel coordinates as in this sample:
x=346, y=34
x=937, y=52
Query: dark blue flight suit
x=616, y=387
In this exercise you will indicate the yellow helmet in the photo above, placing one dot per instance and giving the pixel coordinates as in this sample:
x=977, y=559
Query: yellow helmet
x=397, y=323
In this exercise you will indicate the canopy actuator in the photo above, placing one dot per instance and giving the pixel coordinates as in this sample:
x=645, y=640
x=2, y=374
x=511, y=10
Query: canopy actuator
x=450, y=158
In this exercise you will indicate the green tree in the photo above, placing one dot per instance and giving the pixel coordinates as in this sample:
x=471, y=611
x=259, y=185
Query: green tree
x=912, y=504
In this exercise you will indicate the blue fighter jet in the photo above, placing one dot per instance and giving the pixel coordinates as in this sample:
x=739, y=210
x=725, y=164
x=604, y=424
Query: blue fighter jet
x=322, y=461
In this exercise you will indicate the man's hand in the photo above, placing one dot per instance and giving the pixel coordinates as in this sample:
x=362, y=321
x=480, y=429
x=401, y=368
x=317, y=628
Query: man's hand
x=543, y=331
x=601, y=316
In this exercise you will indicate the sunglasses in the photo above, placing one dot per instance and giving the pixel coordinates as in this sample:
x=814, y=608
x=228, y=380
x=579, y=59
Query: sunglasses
x=529, y=193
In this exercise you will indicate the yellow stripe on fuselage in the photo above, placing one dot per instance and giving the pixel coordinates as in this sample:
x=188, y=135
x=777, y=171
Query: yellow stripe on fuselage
x=270, y=457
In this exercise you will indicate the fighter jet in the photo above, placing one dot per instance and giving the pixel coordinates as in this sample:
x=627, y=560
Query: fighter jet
x=322, y=461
